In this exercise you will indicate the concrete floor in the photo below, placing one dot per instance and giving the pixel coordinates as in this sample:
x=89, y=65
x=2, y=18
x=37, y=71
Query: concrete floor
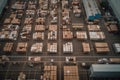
x=12, y=71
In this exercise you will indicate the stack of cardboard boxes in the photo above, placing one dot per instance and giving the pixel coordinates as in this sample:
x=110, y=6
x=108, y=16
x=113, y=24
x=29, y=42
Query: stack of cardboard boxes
x=52, y=47
x=68, y=47
x=22, y=47
x=37, y=47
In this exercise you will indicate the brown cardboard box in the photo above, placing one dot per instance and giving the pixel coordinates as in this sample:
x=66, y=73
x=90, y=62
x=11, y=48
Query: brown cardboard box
x=67, y=35
x=71, y=73
x=52, y=47
x=86, y=47
x=15, y=21
x=28, y=21
x=7, y=21
x=94, y=28
x=77, y=25
x=37, y=47
x=39, y=27
x=101, y=47
x=38, y=36
x=52, y=27
x=8, y=47
x=22, y=47
x=82, y=35
x=40, y=20
x=97, y=35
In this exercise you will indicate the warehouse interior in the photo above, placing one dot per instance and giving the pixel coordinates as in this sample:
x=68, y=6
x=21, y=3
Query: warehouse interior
x=59, y=40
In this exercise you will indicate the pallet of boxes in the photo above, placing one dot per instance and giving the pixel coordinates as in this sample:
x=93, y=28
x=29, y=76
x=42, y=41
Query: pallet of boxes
x=52, y=47
x=50, y=72
x=102, y=47
x=37, y=48
x=68, y=47
x=8, y=48
x=22, y=47
x=86, y=47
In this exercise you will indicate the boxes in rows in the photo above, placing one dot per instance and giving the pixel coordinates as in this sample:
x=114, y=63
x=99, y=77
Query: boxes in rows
x=97, y=35
x=52, y=27
x=52, y=35
x=50, y=72
x=12, y=21
x=8, y=47
x=67, y=34
x=39, y=28
x=68, y=47
x=102, y=47
x=71, y=73
x=77, y=25
x=9, y=33
x=86, y=47
x=52, y=47
x=38, y=36
x=81, y=35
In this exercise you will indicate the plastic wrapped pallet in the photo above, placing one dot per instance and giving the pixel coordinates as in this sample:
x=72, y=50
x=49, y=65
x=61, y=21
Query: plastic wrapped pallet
x=68, y=47
x=37, y=47
x=52, y=35
x=52, y=47
x=11, y=33
x=38, y=35
x=97, y=35
x=82, y=35
x=116, y=47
